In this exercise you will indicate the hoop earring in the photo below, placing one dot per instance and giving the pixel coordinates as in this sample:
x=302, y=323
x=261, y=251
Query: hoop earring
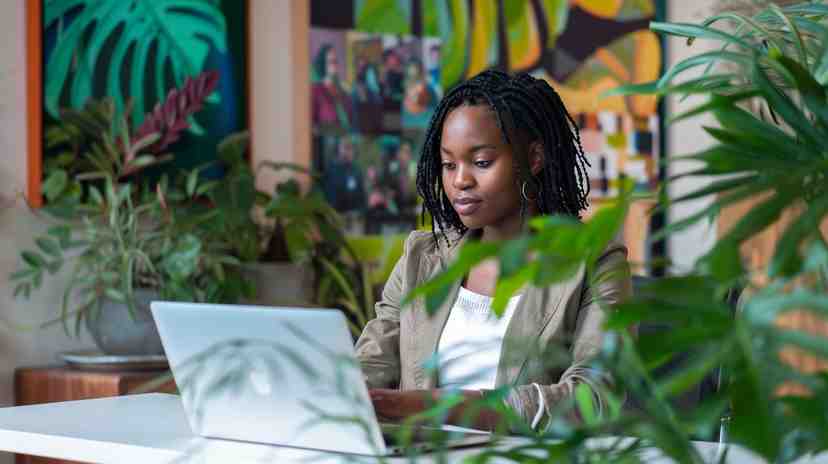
x=523, y=192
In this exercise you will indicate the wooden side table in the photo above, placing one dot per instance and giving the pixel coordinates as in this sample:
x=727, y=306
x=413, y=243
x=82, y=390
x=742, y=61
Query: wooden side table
x=35, y=385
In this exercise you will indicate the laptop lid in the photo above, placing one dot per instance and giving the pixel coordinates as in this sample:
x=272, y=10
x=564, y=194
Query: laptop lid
x=284, y=376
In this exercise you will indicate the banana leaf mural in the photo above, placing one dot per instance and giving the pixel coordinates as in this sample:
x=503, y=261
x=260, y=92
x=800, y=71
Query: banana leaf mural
x=135, y=52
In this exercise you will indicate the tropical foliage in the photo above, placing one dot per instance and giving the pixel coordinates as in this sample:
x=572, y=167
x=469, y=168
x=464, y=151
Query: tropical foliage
x=148, y=38
x=122, y=231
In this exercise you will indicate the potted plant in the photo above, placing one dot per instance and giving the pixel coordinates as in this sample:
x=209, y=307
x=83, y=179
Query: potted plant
x=291, y=242
x=131, y=240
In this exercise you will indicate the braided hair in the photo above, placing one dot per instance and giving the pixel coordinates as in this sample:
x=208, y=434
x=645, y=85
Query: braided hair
x=524, y=107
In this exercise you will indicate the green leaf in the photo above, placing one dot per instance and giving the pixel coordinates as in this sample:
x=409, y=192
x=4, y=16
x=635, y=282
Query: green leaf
x=507, y=286
x=753, y=424
x=586, y=407
x=49, y=246
x=95, y=195
x=513, y=256
x=183, y=261
x=555, y=269
x=715, y=188
x=755, y=133
x=101, y=33
x=33, y=259
x=703, y=85
x=724, y=262
x=141, y=144
x=232, y=148
x=787, y=260
x=782, y=105
x=794, y=33
x=700, y=32
x=692, y=373
x=742, y=59
x=115, y=295
x=55, y=184
x=714, y=103
x=22, y=274
x=192, y=181
x=143, y=161
x=813, y=94
x=436, y=296
x=62, y=233
x=760, y=216
x=470, y=254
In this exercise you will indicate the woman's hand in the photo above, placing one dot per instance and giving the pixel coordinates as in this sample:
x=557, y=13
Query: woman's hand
x=396, y=405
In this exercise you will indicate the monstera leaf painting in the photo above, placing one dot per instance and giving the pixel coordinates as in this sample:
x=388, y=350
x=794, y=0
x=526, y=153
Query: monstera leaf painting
x=127, y=49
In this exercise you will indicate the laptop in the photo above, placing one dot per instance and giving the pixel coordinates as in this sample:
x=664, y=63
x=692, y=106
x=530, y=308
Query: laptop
x=282, y=376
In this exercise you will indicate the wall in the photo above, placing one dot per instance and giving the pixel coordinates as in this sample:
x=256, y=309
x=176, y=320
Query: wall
x=18, y=225
x=687, y=137
x=280, y=84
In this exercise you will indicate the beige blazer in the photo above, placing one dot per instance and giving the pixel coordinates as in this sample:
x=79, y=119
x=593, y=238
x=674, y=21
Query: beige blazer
x=563, y=319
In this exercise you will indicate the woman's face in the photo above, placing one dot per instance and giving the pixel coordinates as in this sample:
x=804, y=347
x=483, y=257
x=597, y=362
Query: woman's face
x=478, y=169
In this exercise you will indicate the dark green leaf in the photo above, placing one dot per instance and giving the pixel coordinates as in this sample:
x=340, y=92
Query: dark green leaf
x=724, y=262
x=715, y=103
x=782, y=105
x=49, y=246
x=33, y=259
x=507, y=286
x=513, y=256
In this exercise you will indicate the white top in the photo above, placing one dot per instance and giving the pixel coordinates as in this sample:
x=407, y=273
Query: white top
x=469, y=348
x=152, y=428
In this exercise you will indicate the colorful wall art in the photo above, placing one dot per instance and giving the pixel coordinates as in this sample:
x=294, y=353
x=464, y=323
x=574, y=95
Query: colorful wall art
x=389, y=61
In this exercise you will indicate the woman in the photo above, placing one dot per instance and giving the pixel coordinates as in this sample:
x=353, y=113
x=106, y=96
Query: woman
x=330, y=105
x=420, y=98
x=498, y=150
x=367, y=100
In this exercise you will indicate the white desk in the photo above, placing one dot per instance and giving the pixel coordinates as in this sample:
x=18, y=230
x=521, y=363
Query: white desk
x=152, y=428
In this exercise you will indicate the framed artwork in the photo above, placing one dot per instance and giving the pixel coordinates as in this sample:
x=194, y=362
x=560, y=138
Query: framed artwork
x=135, y=54
x=581, y=47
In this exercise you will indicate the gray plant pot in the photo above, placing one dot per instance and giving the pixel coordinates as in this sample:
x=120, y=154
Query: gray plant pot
x=116, y=332
x=280, y=284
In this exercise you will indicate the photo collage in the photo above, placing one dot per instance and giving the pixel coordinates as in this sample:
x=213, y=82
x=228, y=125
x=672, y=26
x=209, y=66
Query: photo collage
x=372, y=97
